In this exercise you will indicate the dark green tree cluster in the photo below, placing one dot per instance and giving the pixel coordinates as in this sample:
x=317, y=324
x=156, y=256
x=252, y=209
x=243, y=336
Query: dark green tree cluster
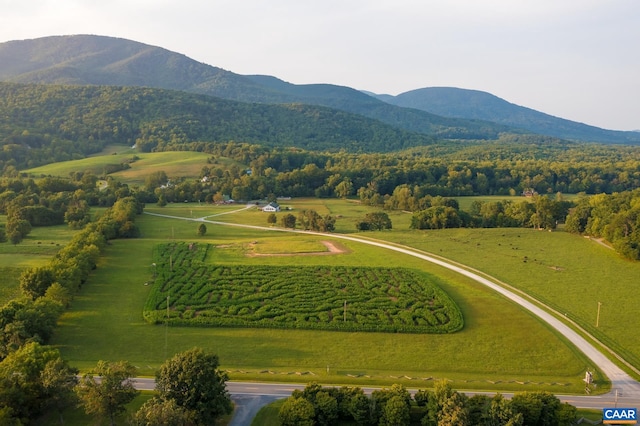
x=24, y=321
x=106, y=394
x=35, y=380
x=316, y=405
x=540, y=212
x=311, y=220
x=191, y=390
x=376, y=221
x=615, y=218
x=29, y=203
x=436, y=217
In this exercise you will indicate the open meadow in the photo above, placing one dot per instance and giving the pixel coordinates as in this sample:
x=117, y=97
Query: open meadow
x=140, y=165
x=36, y=249
x=500, y=346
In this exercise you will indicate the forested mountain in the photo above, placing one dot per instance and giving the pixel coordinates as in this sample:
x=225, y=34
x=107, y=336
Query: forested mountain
x=48, y=123
x=442, y=112
x=477, y=105
x=98, y=60
x=412, y=119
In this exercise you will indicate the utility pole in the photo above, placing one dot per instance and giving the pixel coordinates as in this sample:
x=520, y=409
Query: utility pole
x=598, y=316
x=166, y=330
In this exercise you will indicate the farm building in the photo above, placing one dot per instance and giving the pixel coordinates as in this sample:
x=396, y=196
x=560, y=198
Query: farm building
x=271, y=207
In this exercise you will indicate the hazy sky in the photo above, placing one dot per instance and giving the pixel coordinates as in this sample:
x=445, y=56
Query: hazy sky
x=576, y=59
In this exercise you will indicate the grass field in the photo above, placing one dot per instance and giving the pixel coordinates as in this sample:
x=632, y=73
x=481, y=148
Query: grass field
x=174, y=164
x=568, y=272
x=36, y=249
x=500, y=347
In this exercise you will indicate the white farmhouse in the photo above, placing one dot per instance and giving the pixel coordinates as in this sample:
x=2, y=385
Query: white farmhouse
x=271, y=208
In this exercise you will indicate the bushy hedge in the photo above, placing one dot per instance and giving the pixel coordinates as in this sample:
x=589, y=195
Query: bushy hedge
x=396, y=300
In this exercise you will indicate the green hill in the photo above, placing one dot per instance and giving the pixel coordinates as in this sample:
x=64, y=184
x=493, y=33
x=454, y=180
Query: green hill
x=40, y=124
x=98, y=60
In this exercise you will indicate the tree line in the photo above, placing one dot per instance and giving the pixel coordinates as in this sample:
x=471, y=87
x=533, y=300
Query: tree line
x=614, y=218
x=33, y=377
x=375, y=177
x=48, y=201
x=430, y=210
x=324, y=406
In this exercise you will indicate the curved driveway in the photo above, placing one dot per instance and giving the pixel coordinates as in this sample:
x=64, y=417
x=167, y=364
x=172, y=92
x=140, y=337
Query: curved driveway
x=624, y=388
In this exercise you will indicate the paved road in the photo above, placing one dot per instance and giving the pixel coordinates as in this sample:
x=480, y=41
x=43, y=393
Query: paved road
x=624, y=387
x=250, y=397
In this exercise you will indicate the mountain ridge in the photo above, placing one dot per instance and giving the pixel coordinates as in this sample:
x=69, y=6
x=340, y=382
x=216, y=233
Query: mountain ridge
x=480, y=105
x=103, y=60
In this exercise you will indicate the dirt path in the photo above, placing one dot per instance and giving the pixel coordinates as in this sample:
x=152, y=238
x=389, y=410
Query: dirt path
x=332, y=248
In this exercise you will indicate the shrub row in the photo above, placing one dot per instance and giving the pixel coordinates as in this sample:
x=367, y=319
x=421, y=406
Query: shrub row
x=319, y=297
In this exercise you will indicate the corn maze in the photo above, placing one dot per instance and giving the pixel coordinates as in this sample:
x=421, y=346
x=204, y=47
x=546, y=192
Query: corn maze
x=189, y=292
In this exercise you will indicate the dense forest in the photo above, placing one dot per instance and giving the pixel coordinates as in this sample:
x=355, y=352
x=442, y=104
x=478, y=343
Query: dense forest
x=41, y=124
x=376, y=177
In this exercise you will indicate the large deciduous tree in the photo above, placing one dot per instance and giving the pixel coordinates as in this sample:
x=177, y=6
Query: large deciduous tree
x=288, y=221
x=297, y=411
x=34, y=282
x=106, y=395
x=163, y=412
x=23, y=321
x=33, y=379
x=310, y=220
x=192, y=379
x=537, y=408
x=375, y=221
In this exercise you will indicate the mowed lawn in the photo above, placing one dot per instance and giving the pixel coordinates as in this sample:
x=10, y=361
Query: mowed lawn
x=500, y=347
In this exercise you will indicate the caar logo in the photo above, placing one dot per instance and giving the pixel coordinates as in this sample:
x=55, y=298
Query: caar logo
x=619, y=416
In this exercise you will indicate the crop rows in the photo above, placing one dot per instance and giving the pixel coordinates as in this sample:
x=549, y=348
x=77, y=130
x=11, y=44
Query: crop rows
x=318, y=297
